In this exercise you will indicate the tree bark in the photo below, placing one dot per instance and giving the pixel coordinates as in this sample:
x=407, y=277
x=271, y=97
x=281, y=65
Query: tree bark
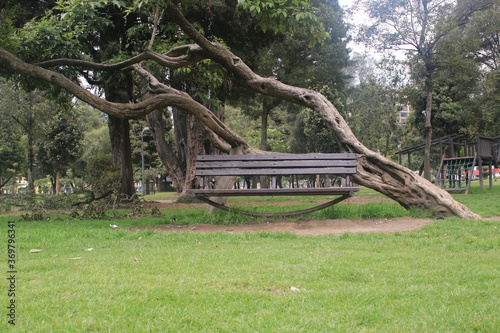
x=57, y=181
x=188, y=141
x=31, y=162
x=264, y=125
x=264, y=180
x=29, y=128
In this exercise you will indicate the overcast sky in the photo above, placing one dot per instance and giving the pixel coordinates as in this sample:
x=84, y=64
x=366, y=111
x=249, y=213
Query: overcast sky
x=359, y=18
x=356, y=19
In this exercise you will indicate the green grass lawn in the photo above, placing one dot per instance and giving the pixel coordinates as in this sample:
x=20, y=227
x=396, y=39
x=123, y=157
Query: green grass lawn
x=485, y=202
x=441, y=278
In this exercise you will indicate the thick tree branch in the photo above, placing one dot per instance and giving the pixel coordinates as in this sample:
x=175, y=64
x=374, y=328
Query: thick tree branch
x=217, y=142
x=231, y=137
x=165, y=96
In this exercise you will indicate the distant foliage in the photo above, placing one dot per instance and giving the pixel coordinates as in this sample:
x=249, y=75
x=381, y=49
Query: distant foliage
x=102, y=175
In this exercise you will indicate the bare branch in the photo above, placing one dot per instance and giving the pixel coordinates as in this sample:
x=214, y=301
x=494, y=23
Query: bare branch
x=93, y=65
x=184, y=56
x=156, y=19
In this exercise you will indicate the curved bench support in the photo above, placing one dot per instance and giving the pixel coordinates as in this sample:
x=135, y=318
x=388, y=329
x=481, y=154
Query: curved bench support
x=293, y=213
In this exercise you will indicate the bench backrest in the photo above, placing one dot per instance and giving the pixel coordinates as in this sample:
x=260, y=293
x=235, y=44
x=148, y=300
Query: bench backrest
x=276, y=164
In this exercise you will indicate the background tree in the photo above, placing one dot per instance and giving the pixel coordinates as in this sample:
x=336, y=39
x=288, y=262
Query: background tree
x=12, y=154
x=86, y=30
x=310, y=135
x=278, y=133
x=24, y=113
x=96, y=146
x=469, y=69
x=61, y=147
x=412, y=25
x=374, y=101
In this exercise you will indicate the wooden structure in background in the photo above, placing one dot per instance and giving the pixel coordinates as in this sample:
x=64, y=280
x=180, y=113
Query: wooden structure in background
x=459, y=158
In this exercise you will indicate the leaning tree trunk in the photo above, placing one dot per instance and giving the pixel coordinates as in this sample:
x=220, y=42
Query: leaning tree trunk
x=374, y=170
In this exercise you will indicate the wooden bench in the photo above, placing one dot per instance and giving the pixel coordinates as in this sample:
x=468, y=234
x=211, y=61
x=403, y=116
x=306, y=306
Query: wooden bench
x=210, y=167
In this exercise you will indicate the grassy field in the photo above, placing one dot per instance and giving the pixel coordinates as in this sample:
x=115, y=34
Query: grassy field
x=441, y=278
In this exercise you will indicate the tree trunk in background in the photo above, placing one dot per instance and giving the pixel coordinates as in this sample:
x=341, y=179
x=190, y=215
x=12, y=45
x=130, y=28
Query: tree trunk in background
x=57, y=182
x=119, y=133
x=31, y=162
x=191, y=140
x=168, y=157
x=428, y=128
x=264, y=180
x=181, y=142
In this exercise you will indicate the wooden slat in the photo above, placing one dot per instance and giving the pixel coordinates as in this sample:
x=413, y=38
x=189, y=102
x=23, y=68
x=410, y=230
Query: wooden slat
x=276, y=172
x=459, y=158
x=455, y=189
x=282, y=157
x=274, y=164
x=273, y=192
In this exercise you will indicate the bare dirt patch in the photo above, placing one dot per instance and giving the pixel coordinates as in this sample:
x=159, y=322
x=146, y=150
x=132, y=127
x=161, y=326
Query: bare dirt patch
x=306, y=228
x=300, y=227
